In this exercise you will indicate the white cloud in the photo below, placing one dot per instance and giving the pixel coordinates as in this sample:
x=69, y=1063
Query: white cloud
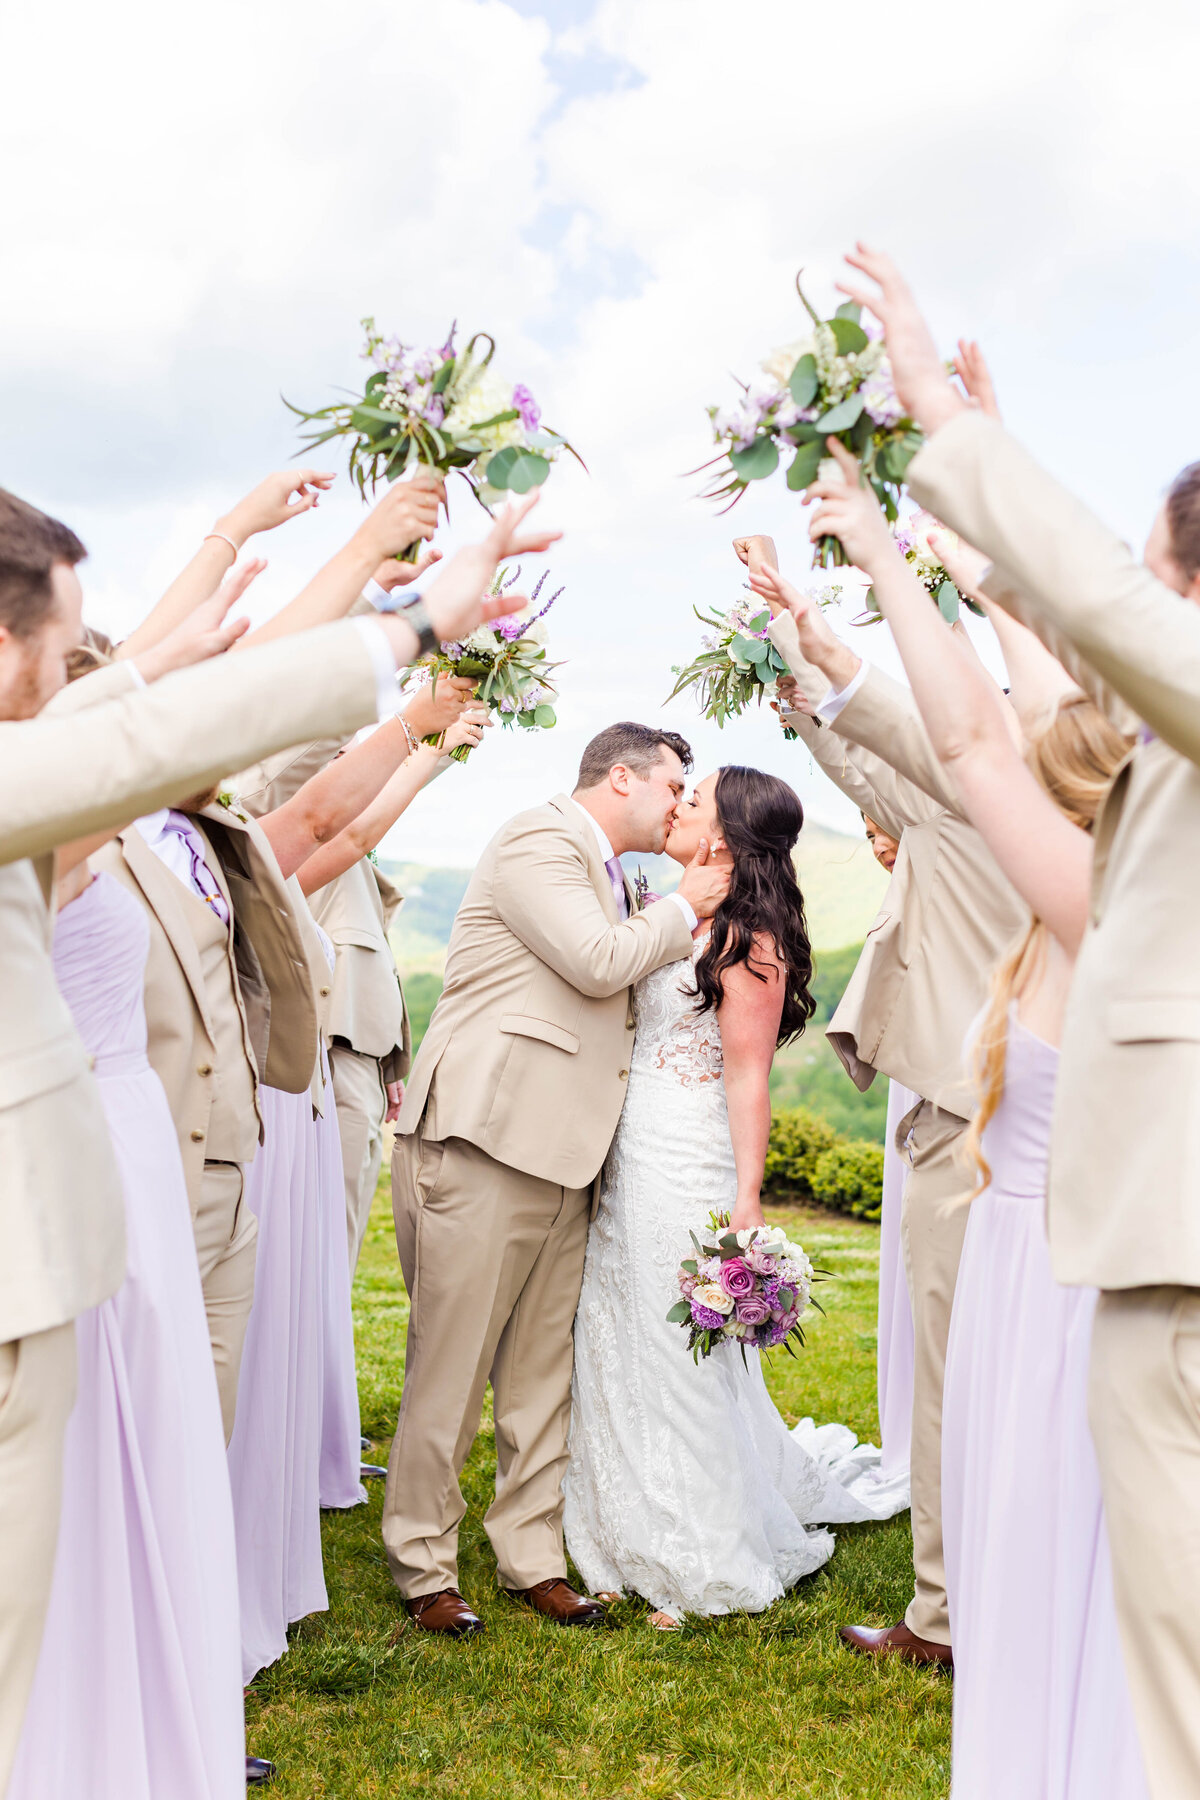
x=197, y=208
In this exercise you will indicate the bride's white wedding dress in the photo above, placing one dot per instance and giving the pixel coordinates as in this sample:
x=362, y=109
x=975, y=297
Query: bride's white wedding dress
x=684, y=1485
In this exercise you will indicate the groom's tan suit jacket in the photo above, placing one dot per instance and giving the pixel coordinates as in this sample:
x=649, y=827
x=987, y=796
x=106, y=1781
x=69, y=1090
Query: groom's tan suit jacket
x=949, y=912
x=1124, y=1198
x=527, y=1052
x=61, y=1214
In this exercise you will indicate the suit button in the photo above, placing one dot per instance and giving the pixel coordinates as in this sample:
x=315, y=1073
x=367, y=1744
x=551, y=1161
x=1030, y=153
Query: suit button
x=324, y=991
x=204, y=1068
x=622, y=1076
x=197, y=1136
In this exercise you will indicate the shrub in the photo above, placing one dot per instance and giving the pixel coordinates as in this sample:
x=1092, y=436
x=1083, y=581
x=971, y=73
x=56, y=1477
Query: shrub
x=808, y=1160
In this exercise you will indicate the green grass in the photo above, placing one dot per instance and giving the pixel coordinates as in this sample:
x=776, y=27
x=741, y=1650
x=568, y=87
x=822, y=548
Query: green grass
x=729, y=1709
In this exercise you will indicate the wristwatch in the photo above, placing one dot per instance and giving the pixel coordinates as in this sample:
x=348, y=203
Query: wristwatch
x=417, y=614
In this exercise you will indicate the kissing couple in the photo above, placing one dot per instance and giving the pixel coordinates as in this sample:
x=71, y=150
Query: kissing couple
x=593, y=1082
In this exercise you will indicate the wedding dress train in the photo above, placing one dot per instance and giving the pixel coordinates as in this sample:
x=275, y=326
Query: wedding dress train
x=683, y=1484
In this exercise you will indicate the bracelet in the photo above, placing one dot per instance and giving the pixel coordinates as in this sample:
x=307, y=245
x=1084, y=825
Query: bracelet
x=225, y=540
x=409, y=735
x=417, y=614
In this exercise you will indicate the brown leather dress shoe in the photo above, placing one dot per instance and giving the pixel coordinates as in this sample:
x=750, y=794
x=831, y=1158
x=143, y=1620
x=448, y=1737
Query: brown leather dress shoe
x=556, y=1599
x=897, y=1641
x=446, y=1612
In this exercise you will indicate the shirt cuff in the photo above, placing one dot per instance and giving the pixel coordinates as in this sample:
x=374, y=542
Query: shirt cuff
x=139, y=680
x=379, y=649
x=833, y=703
x=685, y=908
x=377, y=595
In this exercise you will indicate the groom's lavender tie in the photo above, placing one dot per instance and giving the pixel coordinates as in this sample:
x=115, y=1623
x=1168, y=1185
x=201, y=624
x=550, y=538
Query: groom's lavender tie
x=617, y=876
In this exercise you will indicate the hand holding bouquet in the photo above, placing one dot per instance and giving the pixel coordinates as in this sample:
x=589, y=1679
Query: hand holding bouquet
x=920, y=541
x=442, y=409
x=836, y=382
x=737, y=663
x=745, y=1287
x=507, y=660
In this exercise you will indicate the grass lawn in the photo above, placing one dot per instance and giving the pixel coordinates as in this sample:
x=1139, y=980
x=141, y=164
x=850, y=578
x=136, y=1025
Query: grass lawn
x=730, y=1709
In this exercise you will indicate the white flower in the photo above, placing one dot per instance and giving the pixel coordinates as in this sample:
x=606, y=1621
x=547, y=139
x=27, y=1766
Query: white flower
x=481, y=396
x=713, y=1296
x=781, y=362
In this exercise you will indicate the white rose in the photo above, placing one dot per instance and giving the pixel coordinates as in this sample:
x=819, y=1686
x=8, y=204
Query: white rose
x=781, y=362
x=486, y=396
x=714, y=1297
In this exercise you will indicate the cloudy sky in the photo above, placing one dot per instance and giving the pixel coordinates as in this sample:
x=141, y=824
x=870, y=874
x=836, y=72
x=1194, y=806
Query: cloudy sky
x=200, y=204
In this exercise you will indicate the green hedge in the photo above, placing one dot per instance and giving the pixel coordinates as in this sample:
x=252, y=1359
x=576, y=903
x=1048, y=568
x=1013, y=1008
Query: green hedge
x=808, y=1160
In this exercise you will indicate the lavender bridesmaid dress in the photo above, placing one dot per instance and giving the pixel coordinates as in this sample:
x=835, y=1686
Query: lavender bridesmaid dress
x=894, y=1337
x=1041, y=1707
x=295, y=1444
x=138, y=1691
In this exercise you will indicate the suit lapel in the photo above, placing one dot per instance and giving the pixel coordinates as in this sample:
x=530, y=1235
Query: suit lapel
x=597, y=868
x=160, y=887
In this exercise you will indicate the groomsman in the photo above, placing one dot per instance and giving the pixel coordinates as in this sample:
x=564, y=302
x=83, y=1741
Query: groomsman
x=1124, y=1201
x=948, y=916
x=64, y=779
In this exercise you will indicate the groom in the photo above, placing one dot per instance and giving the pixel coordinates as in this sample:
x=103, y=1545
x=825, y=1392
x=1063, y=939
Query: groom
x=509, y=1113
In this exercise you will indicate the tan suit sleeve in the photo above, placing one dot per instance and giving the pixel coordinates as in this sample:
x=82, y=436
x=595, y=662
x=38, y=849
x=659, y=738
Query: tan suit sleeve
x=278, y=779
x=1002, y=587
x=66, y=778
x=542, y=891
x=1140, y=637
x=91, y=690
x=883, y=719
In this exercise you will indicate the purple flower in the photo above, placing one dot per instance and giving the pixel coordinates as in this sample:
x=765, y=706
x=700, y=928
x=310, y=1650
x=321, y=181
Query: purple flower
x=737, y=1278
x=706, y=1318
x=435, y=411
x=753, y=1310
x=778, y=1332
x=763, y=1262
x=687, y=1284
x=770, y=1290
x=511, y=628
x=527, y=406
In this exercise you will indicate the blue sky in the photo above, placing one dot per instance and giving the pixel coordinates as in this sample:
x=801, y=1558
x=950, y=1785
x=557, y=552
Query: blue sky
x=196, y=214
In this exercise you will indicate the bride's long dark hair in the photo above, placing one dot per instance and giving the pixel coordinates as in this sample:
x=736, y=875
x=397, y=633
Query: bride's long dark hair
x=760, y=819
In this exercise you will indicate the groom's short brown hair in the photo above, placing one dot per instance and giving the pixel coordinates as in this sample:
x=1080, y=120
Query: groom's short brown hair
x=637, y=747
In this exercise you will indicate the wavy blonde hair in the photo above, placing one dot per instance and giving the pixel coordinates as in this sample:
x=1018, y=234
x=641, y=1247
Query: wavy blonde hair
x=1074, y=759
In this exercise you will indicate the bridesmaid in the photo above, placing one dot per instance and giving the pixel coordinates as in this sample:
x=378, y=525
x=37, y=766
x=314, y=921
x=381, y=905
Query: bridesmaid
x=1041, y=1703
x=138, y=1691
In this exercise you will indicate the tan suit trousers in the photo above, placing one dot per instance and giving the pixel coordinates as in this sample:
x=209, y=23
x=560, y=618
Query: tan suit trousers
x=493, y=1263
x=933, y=1219
x=226, y=1242
x=37, y=1392
x=1144, y=1405
x=361, y=1096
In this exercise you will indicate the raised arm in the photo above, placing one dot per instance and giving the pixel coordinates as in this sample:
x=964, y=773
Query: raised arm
x=1047, y=859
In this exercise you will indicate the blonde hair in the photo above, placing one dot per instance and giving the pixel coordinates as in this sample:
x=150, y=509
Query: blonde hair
x=1074, y=759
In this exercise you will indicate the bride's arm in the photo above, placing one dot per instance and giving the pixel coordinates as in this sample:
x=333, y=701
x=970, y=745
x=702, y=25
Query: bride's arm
x=749, y=1018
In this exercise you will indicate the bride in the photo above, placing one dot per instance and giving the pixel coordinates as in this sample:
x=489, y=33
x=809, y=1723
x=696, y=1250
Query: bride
x=684, y=1485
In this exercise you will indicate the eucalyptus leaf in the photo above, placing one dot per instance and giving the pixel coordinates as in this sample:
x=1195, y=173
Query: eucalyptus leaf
x=759, y=459
x=849, y=335
x=842, y=416
x=518, y=470
x=690, y=1266
x=679, y=1313
x=545, y=717
x=849, y=309
x=804, y=466
x=947, y=600
x=526, y=719
x=761, y=620
x=804, y=380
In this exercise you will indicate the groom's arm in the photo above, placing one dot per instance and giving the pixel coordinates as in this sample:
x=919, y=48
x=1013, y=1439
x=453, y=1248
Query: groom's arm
x=543, y=892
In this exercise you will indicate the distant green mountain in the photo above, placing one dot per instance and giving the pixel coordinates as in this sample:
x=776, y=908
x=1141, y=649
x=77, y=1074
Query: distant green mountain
x=843, y=886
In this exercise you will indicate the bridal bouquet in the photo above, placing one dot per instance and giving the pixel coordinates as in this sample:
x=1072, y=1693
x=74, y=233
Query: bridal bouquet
x=737, y=663
x=507, y=658
x=913, y=540
x=835, y=382
x=443, y=409
x=746, y=1287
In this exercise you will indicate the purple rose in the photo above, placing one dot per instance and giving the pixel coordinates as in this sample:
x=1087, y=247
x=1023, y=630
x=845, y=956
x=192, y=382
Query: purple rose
x=527, y=406
x=737, y=1278
x=706, y=1318
x=753, y=1310
x=763, y=1262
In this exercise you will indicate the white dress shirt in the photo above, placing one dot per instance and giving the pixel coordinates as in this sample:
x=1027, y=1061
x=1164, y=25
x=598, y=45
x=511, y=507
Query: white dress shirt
x=833, y=702
x=607, y=854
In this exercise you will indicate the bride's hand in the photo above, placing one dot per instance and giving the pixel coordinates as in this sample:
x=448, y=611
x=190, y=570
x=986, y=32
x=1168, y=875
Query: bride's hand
x=747, y=1214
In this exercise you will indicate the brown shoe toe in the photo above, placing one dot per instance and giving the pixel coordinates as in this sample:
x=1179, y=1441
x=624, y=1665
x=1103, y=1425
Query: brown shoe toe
x=556, y=1599
x=897, y=1640
x=446, y=1612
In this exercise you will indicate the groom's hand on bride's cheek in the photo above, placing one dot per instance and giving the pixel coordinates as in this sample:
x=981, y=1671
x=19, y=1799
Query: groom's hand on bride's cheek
x=704, y=884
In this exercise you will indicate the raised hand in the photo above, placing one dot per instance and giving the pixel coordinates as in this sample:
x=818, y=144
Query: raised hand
x=819, y=644
x=392, y=574
x=703, y=884
x=755, y=551
x=849, y=511
x=407, y=512
x=467, y=730
x=970, y=365
x=438, y=705
x=207, y=631
x=457, y=600
x=282, y=496
x=918, y=370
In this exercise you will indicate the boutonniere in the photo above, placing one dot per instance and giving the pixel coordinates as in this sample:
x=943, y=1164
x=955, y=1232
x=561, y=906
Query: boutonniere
x=373, y=857
x=229, y=802
x=643, y=893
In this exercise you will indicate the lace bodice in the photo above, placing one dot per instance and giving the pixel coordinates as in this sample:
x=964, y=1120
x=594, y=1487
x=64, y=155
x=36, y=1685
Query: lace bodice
x=673, y=1038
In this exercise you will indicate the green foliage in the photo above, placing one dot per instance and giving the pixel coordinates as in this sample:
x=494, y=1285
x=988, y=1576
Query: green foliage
x=832, y=970
x=808, y=1160
x=422, y=992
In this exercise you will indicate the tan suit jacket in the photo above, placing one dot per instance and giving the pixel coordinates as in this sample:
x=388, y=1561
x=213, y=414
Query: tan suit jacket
x=527, y=1053
x=62, y=777
x=949, y=913
x=1124, y=1206
x=367, y=1009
